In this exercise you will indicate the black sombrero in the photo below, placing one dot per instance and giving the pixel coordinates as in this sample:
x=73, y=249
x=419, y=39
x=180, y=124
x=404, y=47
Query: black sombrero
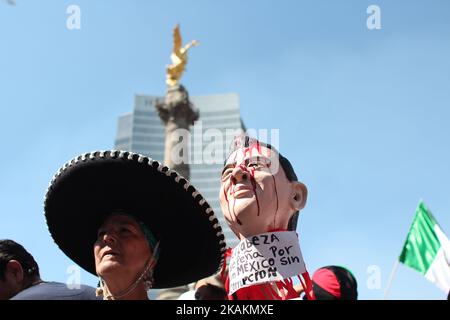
x=88, y=188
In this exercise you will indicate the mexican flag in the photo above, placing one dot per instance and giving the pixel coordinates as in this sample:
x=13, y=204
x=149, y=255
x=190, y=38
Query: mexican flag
x=427, y=249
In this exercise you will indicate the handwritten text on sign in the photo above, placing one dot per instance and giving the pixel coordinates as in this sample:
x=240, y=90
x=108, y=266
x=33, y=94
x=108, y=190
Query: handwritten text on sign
x=265, y=257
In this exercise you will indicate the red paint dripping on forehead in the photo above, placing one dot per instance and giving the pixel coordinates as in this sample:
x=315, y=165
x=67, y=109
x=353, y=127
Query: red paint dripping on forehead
x=241, y=153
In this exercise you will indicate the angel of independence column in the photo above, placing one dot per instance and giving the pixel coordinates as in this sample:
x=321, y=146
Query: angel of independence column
x=177, y=114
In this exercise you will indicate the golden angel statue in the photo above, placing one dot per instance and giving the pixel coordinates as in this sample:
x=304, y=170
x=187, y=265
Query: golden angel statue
x=178, y=57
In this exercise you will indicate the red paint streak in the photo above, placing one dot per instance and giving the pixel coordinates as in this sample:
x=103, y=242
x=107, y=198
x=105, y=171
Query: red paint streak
x=276, y=194
x=258, y=147
x=247, y=152
x=252, y=180
x=254, y=146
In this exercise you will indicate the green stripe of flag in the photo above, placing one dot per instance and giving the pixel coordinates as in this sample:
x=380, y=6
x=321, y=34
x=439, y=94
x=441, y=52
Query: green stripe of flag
x=422, y=244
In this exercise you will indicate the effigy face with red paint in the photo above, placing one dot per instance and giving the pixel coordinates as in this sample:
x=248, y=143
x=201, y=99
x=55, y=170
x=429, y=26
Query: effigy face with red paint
x=259, y=189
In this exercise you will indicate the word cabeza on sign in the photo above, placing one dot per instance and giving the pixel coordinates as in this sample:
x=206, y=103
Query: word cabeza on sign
x=266, y=257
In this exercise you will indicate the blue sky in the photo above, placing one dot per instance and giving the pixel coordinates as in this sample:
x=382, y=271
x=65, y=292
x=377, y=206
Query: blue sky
x=363, y=114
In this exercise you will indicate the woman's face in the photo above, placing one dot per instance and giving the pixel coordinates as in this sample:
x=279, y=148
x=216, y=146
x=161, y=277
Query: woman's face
x=121, y=249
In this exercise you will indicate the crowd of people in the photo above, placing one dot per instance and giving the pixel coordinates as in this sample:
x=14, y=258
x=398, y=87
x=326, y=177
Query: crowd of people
x=133, y=223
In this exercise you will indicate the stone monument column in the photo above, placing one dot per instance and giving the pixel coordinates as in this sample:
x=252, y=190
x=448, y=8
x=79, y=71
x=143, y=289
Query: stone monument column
x=178, y=114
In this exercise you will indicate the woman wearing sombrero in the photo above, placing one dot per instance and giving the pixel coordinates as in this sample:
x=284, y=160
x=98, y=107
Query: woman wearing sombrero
x=133, y=222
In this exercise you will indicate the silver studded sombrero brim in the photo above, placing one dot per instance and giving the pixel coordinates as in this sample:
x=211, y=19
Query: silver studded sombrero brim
x=88, y=188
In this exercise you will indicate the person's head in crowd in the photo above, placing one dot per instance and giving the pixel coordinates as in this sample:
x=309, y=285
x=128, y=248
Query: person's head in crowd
x=334, y=283
x=125, y=252
x=259, y=190
x=211, y=288
x=18, y=269
x=132, y=222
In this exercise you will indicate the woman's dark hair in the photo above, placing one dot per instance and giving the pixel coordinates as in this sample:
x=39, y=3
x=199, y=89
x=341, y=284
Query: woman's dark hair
x=210, y=292
x=11, y=250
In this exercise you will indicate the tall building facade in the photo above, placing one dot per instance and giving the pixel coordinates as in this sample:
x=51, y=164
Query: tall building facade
x=142, y=131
